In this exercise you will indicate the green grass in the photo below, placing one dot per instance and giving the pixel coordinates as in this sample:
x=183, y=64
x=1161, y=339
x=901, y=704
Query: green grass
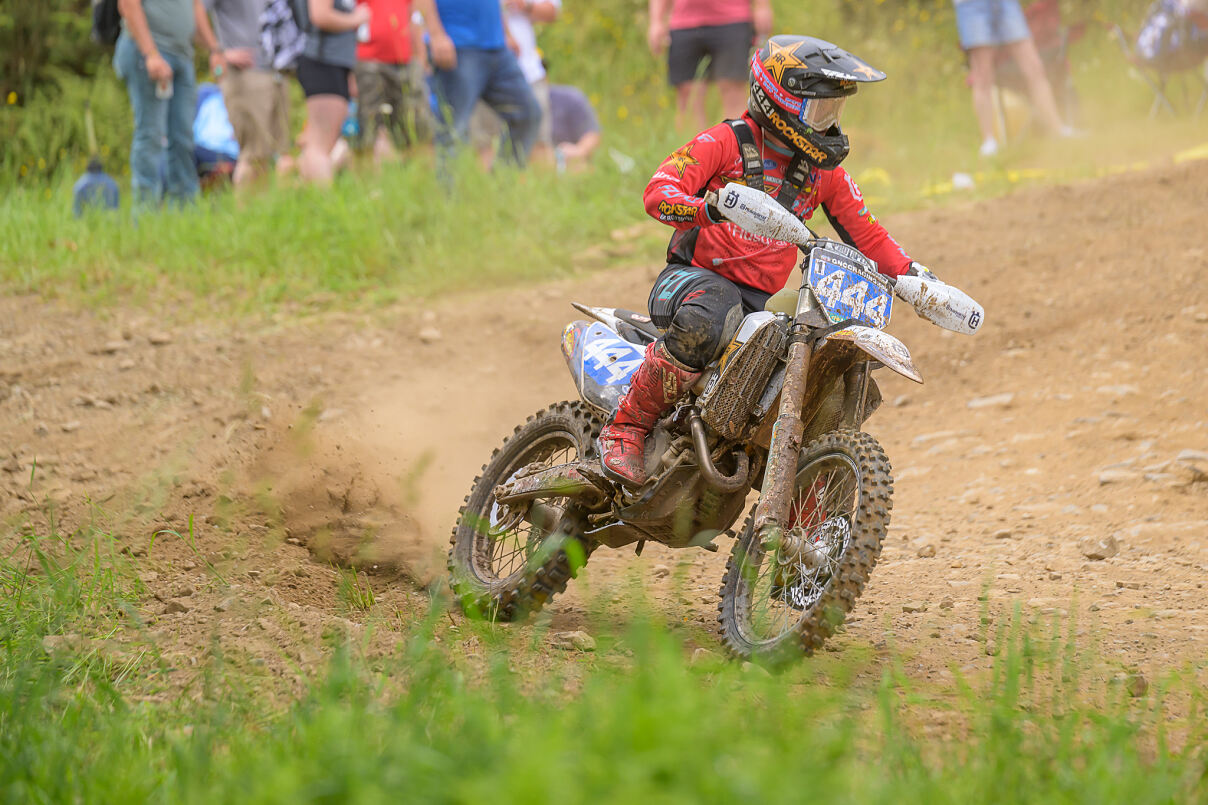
x=373, y=239
x=89, y=718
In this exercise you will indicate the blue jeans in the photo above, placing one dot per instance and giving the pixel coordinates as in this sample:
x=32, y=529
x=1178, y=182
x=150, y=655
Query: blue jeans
x=161, y=155
x=493, y=76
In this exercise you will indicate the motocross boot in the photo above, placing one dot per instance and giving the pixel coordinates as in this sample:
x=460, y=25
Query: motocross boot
x=655, y=387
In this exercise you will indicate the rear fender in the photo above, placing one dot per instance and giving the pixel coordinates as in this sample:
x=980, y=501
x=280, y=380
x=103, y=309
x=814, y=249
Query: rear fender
x=883, y=347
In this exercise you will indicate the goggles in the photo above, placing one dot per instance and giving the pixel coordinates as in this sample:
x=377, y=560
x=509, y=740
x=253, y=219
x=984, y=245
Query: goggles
x=821, y=113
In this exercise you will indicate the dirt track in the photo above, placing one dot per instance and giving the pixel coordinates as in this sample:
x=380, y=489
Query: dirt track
x=1063, y=420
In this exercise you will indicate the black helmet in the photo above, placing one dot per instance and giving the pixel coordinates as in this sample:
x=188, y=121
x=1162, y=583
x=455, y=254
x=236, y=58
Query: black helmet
x=799, y=85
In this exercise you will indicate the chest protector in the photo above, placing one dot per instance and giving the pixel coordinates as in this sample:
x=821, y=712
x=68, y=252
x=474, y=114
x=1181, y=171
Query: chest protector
x=796, y=175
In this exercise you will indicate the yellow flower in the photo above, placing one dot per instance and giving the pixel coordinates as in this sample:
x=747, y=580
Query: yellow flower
x=12, y=98
x=41, y=164
x=622, y=112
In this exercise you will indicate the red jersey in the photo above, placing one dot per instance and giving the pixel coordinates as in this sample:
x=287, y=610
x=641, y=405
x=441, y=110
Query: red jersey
x=712, y=160
x=389, y=32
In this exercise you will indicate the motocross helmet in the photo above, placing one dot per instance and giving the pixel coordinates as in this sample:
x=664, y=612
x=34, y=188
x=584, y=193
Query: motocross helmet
x=799, y=85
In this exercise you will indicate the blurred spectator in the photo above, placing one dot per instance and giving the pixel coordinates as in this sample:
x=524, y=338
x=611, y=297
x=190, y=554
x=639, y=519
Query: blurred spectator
x=154, y=56
x=984, y=25
x=486, y=127
x=255, y=95
x=324, y=71
x=472, y=62
x=215, y=147
x=392, y=94
x=721, y=31
x=574, y=127
x=1174, y=35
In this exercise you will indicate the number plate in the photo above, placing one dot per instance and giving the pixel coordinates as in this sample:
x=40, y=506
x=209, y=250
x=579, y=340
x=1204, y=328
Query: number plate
x=848, y=289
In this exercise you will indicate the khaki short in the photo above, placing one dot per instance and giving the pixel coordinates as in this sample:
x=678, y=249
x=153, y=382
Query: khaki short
x=486, y=127
x=257, y=102
x=394, y=97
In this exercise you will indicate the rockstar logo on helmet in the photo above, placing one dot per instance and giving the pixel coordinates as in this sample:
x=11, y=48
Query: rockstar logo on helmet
x=866, y=71
x=781, y=58
x=682, y=158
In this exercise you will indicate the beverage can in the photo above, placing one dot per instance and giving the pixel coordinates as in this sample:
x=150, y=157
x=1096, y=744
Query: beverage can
x=363, y=32
x=163, y=90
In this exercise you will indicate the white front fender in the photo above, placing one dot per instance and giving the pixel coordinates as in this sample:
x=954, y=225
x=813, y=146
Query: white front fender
x=882, y=346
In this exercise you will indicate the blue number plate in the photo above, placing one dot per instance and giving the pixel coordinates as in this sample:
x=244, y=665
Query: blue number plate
x=848, y=289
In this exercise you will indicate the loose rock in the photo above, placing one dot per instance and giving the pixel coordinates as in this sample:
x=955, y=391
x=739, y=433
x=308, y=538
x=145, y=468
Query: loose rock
x=1116, y=477
x=926, y=551
x=993, y=401
x=661, y=571
x=573, y=641
x=1099, y=548
x=174, y=606
x=914, y=606
x=429, y=335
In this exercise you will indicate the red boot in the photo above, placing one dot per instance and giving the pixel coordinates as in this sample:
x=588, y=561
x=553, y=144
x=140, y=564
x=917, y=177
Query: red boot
x=657, y=384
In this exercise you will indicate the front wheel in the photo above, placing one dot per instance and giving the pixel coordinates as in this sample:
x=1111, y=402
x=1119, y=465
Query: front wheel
x=507, y=561
x=777, y=603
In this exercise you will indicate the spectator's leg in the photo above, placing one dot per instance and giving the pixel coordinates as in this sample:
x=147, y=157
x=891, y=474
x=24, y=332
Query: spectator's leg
x=509, y=94
x=1028, y=58
x=181, y=182
x=733, y=97
x=730, y=49
x=981, y=80
x=543, y=149
x=150, y=124
x=684, y=57
x=393, y=133
x=690, y=106
x=457, y=91
x=418, y=120
x=325, y=116
x=368, y=97
x=252, y=102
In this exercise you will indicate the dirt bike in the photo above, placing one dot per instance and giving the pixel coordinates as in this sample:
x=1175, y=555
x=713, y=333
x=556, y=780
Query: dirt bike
x=779, y=412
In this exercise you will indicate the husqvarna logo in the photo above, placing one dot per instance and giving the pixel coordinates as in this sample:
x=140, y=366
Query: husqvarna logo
x=730, y=200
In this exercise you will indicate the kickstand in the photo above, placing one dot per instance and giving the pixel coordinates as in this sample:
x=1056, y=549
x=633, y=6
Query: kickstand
x=638, y=550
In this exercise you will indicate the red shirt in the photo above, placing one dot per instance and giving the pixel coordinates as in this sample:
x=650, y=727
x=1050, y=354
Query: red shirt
x=701, y=13
x=389, y=32
x=712, y=160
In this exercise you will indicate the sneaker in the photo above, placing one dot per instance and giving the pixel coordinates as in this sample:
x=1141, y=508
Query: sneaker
x=989, y=147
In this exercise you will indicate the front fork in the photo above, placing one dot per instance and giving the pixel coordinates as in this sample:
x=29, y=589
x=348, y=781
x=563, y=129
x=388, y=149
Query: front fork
x=778, y=479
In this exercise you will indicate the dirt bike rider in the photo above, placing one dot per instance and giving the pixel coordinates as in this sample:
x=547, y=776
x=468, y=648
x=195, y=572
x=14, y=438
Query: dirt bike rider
x=791, y=141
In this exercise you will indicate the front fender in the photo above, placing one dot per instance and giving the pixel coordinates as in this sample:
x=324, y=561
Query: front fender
x=883, y=347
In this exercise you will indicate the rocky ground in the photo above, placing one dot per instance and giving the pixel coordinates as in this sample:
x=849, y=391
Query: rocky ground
x=1058, y=460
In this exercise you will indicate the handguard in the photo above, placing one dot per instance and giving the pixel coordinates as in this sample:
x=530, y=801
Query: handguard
x=941, y=304
x=758, y=213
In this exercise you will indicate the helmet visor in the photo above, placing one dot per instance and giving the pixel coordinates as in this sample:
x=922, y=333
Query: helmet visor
x=821, y=113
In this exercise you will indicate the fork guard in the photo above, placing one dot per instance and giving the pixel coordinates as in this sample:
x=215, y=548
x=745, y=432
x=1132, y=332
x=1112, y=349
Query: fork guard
x=579, y=480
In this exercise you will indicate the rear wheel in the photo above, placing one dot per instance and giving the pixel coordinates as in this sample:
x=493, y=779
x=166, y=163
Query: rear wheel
x=780, y=601
x=507, y=561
